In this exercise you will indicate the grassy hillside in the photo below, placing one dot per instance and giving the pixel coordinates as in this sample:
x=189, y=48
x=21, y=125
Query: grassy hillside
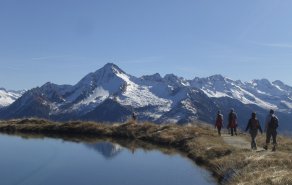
x=200, y=142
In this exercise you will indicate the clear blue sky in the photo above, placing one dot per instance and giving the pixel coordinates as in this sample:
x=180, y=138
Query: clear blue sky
x=63, y=40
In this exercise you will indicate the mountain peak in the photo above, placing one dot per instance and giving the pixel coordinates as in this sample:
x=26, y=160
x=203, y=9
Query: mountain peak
x=103, y=75
x=3, y=89
x=7, y=97
x=155, y=77
x=213, y=78
x=47, y=84
x=278, y=82
x=111, y=67
x=282, y=85
x=175, y=80
x=263, y=81
x=217, y=77
x=171, y=77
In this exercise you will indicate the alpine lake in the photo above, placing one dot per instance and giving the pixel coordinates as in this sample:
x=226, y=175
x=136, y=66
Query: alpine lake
x=46, y=160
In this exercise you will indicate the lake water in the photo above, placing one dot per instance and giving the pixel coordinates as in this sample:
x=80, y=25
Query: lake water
x=49, y=161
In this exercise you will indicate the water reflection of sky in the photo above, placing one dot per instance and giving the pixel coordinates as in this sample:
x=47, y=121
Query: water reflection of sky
x=53, y=161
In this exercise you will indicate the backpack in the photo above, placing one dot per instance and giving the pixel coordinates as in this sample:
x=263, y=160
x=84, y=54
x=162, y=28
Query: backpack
x=219, y=120
x=274, y=123
x=254, y=124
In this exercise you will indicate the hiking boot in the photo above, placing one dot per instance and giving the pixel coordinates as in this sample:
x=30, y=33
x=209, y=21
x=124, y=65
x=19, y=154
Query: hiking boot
x=273, y=149
x=265, y=147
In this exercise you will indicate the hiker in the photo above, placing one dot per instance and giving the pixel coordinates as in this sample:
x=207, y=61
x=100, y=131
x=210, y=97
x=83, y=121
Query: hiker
x=253, y=126
x=219, y=122
x=271, y=129
x=232, y=122
x=134, y=117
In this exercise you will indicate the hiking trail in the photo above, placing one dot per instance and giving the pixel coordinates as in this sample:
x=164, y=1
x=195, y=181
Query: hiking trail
x=238, y=142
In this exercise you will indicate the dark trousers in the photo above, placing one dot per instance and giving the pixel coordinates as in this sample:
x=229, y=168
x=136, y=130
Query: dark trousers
x=253, y=135
x=273, y=134
x=233, y=130
x=219, y=131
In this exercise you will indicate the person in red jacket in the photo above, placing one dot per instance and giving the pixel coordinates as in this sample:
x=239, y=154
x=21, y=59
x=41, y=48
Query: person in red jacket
x=232, y=122
x=219, y=122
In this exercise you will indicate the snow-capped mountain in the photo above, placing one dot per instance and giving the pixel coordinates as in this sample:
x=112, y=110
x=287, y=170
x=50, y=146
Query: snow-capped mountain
x=267, y=95
x=106, y=149
x=110, y=94
x=7, y=97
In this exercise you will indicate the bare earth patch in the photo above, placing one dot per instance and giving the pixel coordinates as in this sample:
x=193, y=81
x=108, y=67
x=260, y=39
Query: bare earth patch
x=236, y=141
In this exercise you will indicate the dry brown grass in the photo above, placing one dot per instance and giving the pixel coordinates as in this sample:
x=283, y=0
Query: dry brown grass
x=263, y=167
x=199, y=142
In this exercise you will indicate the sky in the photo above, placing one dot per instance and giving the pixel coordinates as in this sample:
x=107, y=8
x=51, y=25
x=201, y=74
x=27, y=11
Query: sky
x=60, y=41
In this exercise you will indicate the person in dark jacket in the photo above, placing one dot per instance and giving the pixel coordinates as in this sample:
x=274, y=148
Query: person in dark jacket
x=253, y=126
x=219, y=122
x=134, y=117
x=271, y=126
x=232, y=122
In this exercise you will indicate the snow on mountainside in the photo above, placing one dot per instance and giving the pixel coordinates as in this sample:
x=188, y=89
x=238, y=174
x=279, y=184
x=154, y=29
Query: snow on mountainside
x=110, y=94
x=7, y=97
x=276, y=93
x=95, y=88
x=267, y=95
x=111, y=82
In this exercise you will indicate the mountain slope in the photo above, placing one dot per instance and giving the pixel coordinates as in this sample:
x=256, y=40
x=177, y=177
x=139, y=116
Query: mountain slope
x=110, y=94
x=109, y=110
x=259, y=92
x=8, y=97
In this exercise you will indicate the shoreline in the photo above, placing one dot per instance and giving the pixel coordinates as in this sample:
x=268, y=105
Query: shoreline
x=199, y=142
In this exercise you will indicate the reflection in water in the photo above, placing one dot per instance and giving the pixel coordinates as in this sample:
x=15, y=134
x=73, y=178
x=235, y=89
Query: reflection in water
x=106, y=149
x=49, y=161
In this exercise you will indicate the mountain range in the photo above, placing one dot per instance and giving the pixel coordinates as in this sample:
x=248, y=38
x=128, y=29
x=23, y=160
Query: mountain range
x=111, y=95
x=7, y=97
